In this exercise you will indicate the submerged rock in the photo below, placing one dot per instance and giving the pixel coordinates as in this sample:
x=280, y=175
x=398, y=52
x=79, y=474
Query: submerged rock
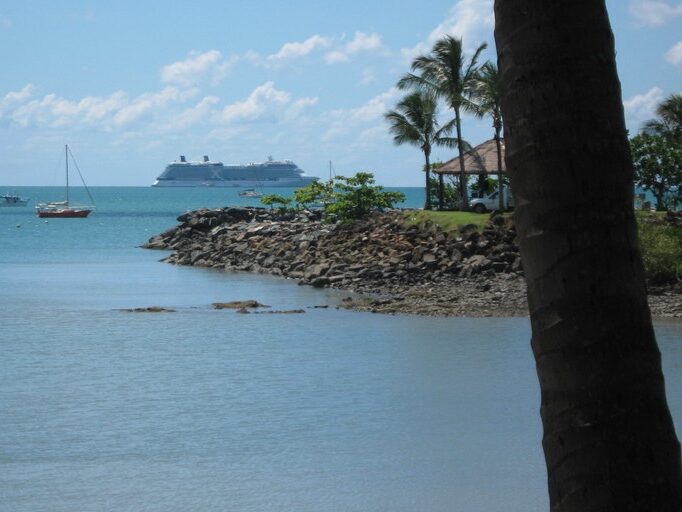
x=239, y=304
x=151, y=309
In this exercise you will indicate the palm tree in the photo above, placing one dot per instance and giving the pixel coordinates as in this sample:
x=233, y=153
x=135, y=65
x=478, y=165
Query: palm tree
x=609, y=439
x=669, y=123
x=447, y=73
x=487, y=94
x=414, y=121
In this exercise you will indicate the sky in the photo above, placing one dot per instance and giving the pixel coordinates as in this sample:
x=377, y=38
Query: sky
x=131, y=85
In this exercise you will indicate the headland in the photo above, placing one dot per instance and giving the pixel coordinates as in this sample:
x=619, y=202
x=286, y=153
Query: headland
x=391, y=265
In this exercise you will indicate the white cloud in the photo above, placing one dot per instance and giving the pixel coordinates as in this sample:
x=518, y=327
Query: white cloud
x=100, y=112
x=195, y=67
x=471, y=20
x=642, y=107
x=299, y=106
x=144, y=104
x=201, y=112
x=364, y=42
x=290, y=51
x=262, y=99
x=336, y=57
x=674, y=55
x=14, y=98
x=654, y=13
x=53, y=111
x=368, y=76
x=361, y=42
x=343, y=121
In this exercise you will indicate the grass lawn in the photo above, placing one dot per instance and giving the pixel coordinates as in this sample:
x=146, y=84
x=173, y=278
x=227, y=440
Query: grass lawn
x=448, y=221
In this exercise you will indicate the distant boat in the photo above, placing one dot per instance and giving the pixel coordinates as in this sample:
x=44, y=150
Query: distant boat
x=64, y=209
x=13, y=200
x=249, y=192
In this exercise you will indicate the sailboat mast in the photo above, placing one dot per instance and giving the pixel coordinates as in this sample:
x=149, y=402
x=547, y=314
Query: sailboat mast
x=66, y=154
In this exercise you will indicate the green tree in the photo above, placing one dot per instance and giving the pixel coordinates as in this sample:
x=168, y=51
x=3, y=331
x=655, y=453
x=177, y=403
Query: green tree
x=487, y=94
x=669, y=122
x=317, y=193
x=275, y=199
x=414, y=121
x=448, y=74
x=357, y=196
x=609, y=439
x=658, y=167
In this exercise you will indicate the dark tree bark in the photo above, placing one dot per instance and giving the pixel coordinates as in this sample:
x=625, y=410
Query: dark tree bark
x=427, y=172
x=463, y=190
x=500, y=183
x=441, y=192
x=609, y=441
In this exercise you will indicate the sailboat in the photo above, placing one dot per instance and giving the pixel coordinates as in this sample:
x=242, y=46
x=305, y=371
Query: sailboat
x=64, y=209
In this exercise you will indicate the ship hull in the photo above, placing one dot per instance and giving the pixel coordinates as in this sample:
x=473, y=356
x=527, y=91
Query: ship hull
x=290, y=183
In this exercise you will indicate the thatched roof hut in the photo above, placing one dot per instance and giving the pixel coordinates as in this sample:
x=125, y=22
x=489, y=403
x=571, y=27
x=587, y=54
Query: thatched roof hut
x=478, y=160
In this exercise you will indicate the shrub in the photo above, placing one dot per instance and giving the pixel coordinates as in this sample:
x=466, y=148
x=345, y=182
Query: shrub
x=275, y=199
x=357, y=196
x=661, y=249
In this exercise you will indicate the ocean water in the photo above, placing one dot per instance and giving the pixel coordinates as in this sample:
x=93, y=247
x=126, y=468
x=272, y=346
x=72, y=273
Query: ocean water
x=330, y=410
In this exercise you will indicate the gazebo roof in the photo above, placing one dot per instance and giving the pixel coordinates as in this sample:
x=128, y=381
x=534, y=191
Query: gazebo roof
x=478, y=160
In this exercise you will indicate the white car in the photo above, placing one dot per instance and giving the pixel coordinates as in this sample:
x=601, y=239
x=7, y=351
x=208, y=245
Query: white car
x=491, y=202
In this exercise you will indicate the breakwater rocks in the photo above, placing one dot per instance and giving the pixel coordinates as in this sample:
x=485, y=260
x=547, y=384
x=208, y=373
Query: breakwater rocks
x=397, y=268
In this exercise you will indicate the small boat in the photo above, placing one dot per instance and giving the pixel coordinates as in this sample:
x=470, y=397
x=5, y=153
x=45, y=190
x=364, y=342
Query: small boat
x=13, y=200
x=250, y=192
x=64, y=209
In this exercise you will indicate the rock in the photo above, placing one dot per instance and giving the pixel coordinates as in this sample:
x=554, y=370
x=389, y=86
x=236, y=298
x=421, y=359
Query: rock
x=239, y=304
x=282, y=312
x=428, y=257
x=418, y=269
x=151, y=309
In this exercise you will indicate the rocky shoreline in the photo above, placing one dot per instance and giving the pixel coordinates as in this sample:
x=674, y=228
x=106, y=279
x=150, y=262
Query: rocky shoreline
x=394, y=267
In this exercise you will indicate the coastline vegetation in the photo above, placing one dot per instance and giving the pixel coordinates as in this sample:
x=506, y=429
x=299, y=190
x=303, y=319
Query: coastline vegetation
x=661, y=246
x=342, y=199
x=450, y=222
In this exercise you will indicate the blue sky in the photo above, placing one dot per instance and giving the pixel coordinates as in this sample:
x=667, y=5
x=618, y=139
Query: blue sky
x=131, y=85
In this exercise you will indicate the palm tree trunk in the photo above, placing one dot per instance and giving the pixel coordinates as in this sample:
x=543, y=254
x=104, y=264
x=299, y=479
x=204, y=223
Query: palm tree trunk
x=463, y=192
x=500, y=183
x=441, y=191
x=609, y=441
x=427, y=172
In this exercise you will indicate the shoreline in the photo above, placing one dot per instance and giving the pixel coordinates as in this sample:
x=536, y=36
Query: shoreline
x=392, y=267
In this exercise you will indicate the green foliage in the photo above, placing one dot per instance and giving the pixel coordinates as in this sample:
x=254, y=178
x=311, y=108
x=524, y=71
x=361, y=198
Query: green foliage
x=317, y=193
x=658, y=167
x=357, y=196
x=669, y=120
x=483, y=186
x=343, y=199
x=451, y=222
x=415, y=121
x=661, y=248
x=275, y=199
x=450, y=192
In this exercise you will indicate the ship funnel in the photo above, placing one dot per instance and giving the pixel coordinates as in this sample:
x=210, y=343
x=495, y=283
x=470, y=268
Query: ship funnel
x=182, y=158
x=205, y=158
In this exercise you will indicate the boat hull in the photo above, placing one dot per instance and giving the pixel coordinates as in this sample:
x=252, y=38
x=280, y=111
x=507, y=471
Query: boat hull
x=63, y=214
x=9, y=202
x=282, y=183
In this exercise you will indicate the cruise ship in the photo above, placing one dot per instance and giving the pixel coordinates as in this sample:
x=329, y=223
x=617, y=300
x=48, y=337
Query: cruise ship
x=272, y=173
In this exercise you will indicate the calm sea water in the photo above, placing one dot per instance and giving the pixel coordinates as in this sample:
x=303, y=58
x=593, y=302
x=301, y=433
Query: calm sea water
x=209, y=410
